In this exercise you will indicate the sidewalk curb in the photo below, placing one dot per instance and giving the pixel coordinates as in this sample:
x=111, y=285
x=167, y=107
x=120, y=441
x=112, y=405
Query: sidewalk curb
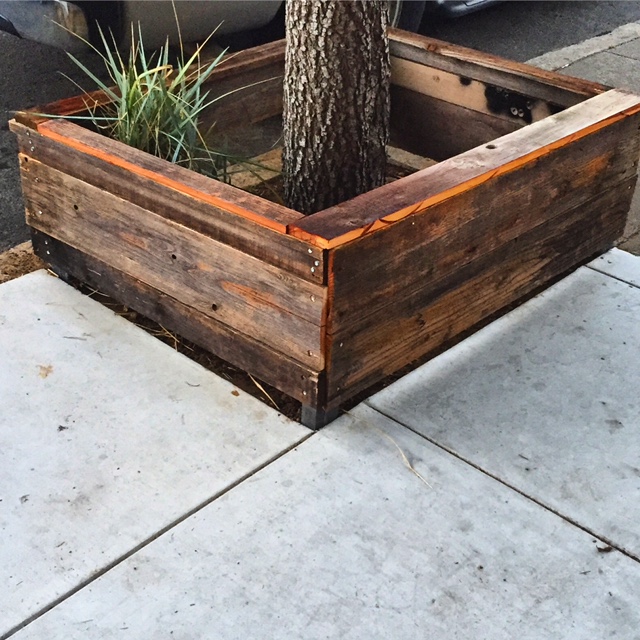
x=568, y=55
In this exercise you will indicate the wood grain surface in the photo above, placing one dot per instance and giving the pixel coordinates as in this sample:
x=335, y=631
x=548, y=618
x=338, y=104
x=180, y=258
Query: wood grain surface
x=416, y=193
x=437, y=129
x=383, y=343
x=376, y=270
x=525, y=79
x=257, y=299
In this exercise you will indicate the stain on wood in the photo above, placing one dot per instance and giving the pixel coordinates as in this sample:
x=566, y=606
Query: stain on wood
x=411, y=195
x=373, y=271
x=165, y=173
x=522, y=78
x=471, y=94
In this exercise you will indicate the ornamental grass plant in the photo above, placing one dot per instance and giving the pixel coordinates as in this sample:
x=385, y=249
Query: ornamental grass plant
x=156, y=103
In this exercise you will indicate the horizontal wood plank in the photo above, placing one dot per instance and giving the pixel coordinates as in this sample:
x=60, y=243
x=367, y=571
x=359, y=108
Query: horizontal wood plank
x=244, y=99
x=241, y=350
x=267, y=303
x=387, y=341
x=408, y=196
x=165, y=173
x=276, y=248
x=471, y=94
x=244, y=108
x=438, y=129
x=476, y=65
x=248, y=85
x=247, y=61
x=377, y=269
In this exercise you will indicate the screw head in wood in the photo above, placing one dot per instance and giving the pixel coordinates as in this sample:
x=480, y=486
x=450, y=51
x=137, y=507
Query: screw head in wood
x=317, y=263
x=313, y=269
x=310, y=250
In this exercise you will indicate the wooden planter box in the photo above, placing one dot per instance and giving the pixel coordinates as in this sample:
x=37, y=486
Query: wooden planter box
x=536, y=175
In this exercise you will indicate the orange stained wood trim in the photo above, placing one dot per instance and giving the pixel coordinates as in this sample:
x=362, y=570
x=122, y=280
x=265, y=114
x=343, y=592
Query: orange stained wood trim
x=387, y=220
x=44, y=128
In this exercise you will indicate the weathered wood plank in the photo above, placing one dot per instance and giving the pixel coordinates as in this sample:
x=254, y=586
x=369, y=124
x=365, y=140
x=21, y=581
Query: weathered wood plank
x=445, y=308
x=415, y=193
x=239, y=349
x=258, y=72
x=170, y=175
x=506, y=74
x=273, y=247
x=377, y=269
x=471, y=94
x=439, y=130
x=248, y=61
x=275, y=307
x=249, y=98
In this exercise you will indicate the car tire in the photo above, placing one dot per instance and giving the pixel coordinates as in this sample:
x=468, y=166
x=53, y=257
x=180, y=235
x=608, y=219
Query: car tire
x=406, y=14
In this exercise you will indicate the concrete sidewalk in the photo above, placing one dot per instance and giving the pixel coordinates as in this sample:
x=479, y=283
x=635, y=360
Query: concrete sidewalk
x=492, y=493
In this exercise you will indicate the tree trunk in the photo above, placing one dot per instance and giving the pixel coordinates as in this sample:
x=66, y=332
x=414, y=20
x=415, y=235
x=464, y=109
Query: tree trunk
x=336, y=101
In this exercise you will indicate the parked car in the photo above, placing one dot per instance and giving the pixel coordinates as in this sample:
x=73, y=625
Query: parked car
x=39, y=19
x=455, y=8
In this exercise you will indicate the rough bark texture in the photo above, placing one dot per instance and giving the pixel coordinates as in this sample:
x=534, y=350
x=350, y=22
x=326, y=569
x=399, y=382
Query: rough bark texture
x=336, y=101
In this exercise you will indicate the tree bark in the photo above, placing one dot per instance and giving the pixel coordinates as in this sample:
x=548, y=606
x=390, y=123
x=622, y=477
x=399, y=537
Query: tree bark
x=336, y=101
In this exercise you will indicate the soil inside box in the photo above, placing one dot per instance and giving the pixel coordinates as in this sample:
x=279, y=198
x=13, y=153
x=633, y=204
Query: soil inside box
x=257, y=148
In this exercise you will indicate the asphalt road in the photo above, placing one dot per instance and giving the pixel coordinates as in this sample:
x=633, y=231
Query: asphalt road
x=32, y=73
x=526, y=29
